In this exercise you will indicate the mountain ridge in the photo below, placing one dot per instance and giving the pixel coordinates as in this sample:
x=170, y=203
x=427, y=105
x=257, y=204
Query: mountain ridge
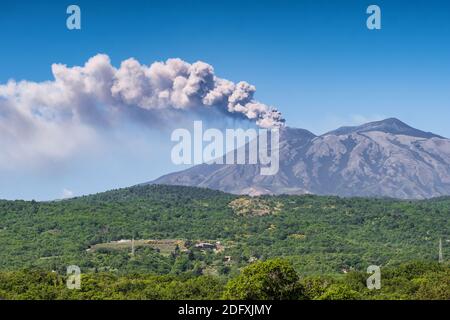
x=389, y=125
x=385, y=158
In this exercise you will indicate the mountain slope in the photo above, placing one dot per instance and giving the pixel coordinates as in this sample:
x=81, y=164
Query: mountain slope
x=379, y=159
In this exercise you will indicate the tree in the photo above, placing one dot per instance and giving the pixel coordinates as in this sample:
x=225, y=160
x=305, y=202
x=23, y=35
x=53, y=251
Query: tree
x=269, y=280
x=434, y=286
x=340, y=292
x=315, y=286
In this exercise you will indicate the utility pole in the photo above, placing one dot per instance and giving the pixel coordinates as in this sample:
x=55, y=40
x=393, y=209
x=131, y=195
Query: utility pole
x=441, y=257
x=132, y=246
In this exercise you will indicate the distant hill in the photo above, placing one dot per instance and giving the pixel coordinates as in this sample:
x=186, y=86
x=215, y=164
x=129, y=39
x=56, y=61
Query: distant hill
x=319, y=234
x=379, y=159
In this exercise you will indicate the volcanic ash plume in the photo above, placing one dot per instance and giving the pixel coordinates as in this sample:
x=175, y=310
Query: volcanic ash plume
x=37, y=117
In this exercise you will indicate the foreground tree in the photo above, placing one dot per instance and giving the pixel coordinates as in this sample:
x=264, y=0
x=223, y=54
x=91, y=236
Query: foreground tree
x=269, y=280
x=340, y=292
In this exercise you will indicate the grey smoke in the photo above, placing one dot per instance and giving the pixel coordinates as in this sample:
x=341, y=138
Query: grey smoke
x=51, y=119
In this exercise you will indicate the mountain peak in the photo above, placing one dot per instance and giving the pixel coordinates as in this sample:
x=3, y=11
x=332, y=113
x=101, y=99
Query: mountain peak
x=339, y=164
x=390, y=125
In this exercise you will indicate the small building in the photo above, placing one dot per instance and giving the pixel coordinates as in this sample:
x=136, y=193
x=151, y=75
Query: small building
x=205, y=245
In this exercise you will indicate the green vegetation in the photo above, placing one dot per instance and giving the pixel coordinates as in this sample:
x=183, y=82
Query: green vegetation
x=272, y=279
x=326, y=243
x=269, y=280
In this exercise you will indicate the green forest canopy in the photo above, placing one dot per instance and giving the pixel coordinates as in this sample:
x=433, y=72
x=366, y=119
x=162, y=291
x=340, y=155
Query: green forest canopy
x=317, y=235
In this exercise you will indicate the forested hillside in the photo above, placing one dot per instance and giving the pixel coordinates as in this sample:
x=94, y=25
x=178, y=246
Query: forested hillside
x=184, y=231
x=319, y=234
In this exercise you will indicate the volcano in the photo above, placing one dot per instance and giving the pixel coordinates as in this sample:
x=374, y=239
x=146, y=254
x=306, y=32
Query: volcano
x=386, y=158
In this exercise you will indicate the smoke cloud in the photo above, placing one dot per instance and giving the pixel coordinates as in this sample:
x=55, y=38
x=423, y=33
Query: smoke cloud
x=53, y=118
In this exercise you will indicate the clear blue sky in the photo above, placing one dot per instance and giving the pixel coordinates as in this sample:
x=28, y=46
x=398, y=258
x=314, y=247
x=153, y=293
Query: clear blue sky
x=314, y=60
